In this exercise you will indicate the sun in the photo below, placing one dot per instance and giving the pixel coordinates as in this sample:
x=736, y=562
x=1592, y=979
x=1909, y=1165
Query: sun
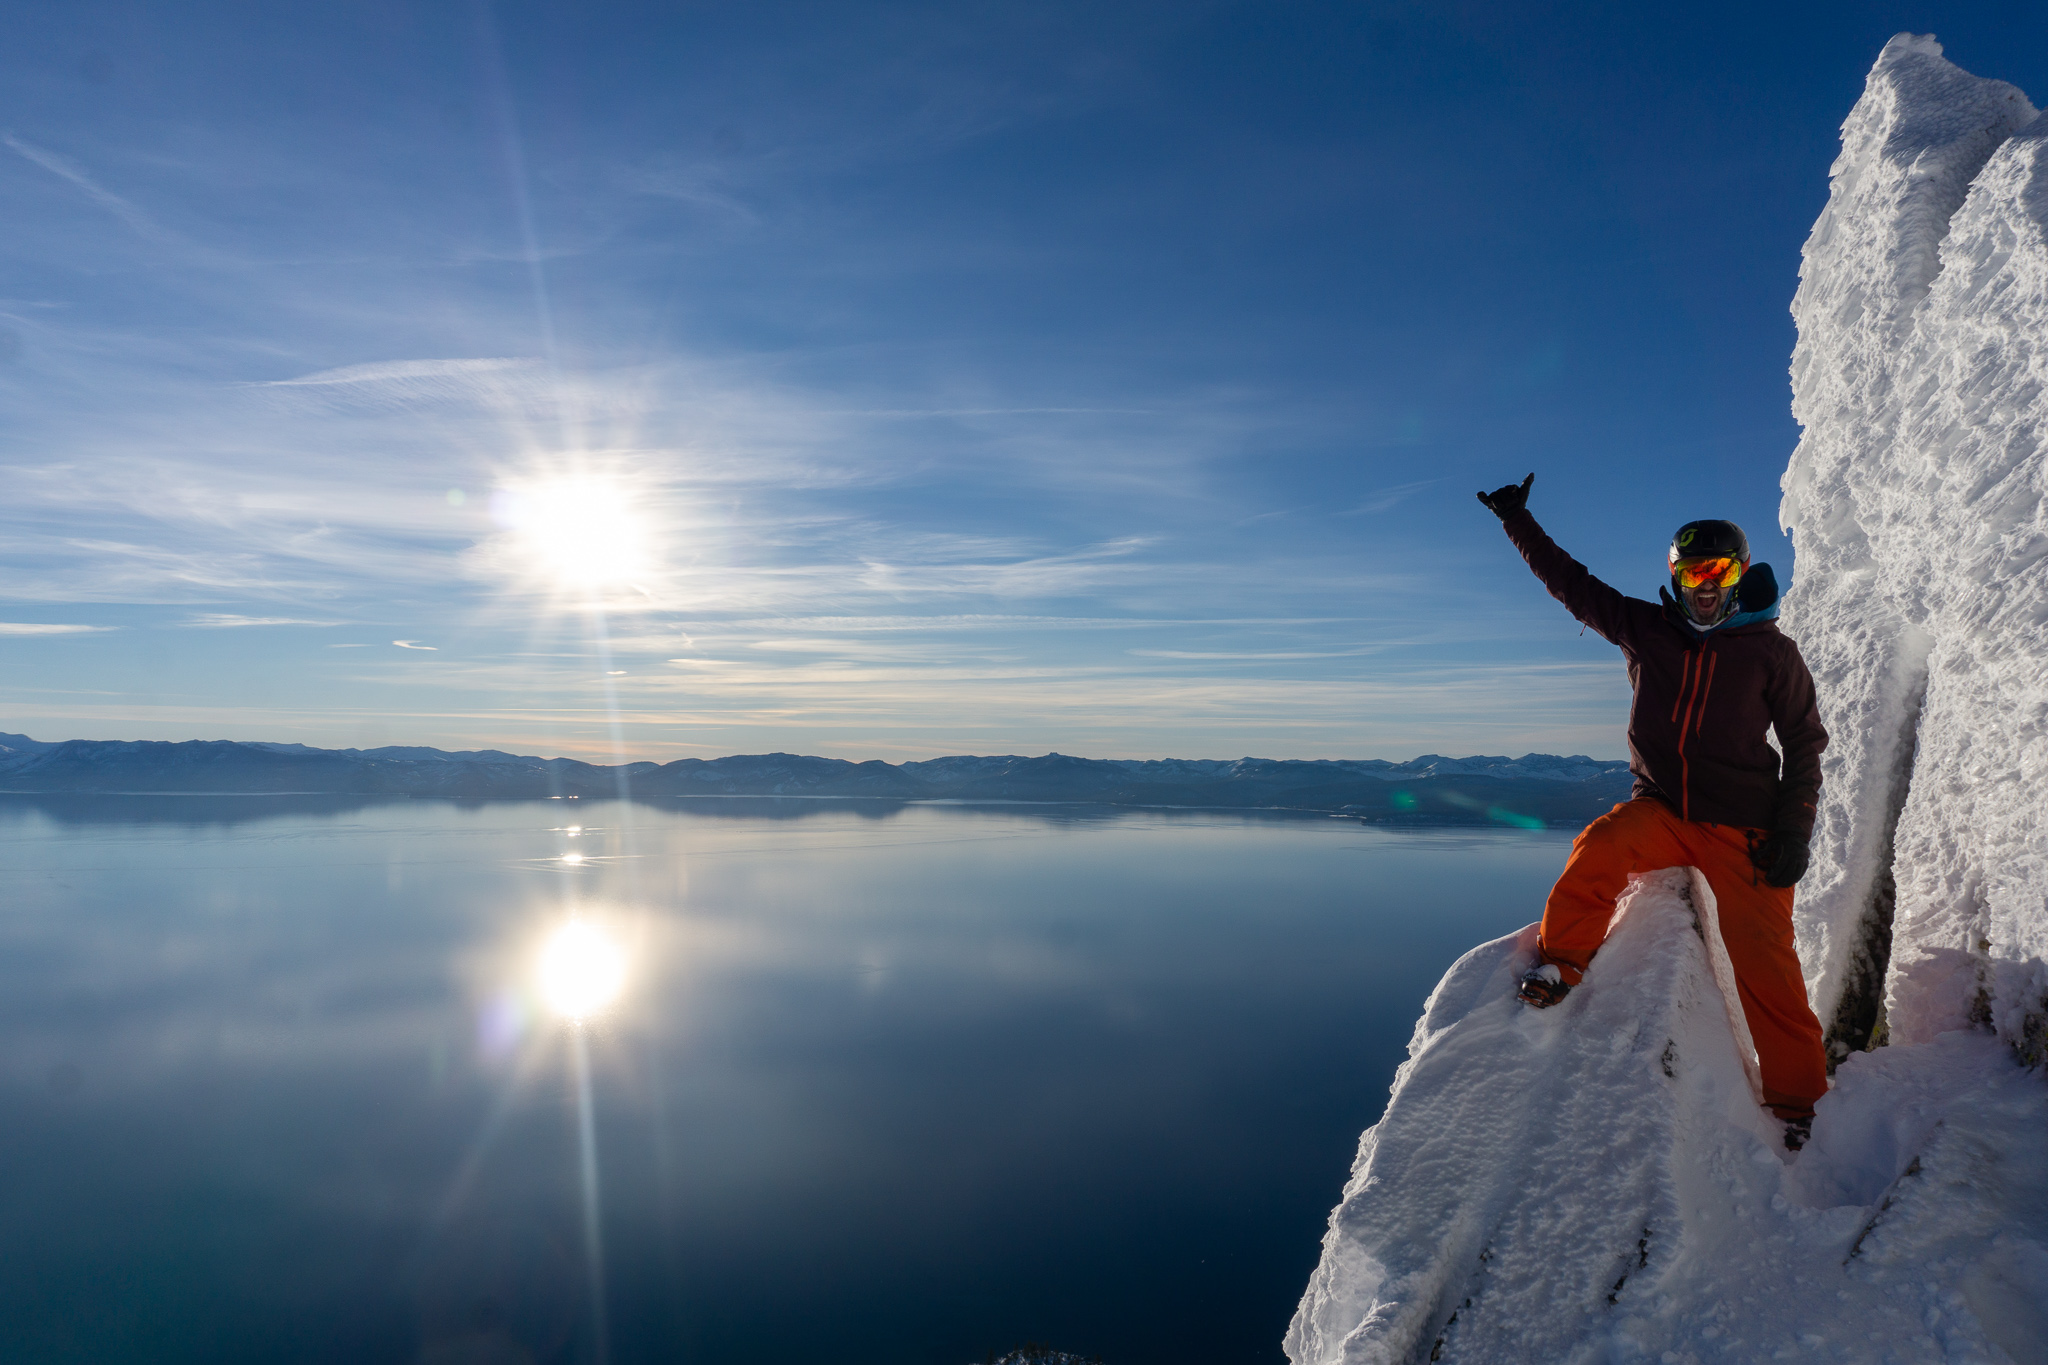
x=581, y=532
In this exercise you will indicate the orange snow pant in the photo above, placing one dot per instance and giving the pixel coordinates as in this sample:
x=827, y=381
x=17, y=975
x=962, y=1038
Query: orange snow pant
x=1756, y=923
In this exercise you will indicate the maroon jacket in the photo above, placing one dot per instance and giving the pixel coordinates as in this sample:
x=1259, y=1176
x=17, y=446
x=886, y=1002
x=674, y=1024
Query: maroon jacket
x=1702, y=702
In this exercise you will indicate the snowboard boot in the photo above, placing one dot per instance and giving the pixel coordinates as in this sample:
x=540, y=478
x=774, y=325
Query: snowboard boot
x=1543, y=986
x=1798, y=1132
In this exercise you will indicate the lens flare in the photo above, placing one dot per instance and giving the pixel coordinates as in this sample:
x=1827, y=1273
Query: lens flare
x=581, y=970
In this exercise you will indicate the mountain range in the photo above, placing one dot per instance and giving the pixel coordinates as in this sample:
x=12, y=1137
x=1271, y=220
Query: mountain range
x=1532, y=791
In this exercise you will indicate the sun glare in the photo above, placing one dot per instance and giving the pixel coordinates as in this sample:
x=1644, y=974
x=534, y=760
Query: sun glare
x=581, y=970
x=580, y=531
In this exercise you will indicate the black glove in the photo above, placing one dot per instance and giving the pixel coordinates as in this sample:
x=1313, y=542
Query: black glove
x=1505, y=502
x=1781, y=858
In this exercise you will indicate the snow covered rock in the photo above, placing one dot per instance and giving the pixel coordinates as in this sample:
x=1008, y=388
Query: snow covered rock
x=1915, y=500
x=1596, y=1182
x=1437, y=1238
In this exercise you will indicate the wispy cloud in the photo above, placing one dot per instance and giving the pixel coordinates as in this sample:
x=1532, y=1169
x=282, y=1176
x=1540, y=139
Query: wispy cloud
x=41, y=628
x=415, y=380
x=895, y=534
x=222, y=621
x=1003, y=621
x=867, y=650
x=765, y=495
x=914, y=413
x=113, y=203
x=1386, y=499
x=1252, y=654
x=1036, y=576
x=701, y=184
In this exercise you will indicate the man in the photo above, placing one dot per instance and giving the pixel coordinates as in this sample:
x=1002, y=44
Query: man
x=1710, y=673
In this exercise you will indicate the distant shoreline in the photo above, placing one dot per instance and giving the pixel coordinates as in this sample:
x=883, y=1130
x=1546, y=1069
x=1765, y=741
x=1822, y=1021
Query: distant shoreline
x=1534, y=791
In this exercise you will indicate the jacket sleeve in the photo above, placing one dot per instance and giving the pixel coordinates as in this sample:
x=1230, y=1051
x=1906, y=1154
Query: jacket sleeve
x=1570, y=582
x=1795, y=715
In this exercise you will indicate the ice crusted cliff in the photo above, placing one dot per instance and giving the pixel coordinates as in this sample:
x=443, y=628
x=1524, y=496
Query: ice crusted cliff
x=1595, y=1183
x=1915, y=500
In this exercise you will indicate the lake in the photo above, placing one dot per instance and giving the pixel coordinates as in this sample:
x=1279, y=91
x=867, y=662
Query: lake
x=882, y=1083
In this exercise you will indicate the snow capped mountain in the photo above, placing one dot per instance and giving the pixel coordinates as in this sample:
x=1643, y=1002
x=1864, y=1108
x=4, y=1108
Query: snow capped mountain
x=1596, y=1183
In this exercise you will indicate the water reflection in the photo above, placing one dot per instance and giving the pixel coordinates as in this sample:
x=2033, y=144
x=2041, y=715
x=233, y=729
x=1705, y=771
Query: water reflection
x=581, y=970
x=868, y=1087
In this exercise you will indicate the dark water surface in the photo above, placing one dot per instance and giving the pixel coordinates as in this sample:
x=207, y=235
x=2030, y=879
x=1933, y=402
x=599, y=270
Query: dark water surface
x=886, y=1083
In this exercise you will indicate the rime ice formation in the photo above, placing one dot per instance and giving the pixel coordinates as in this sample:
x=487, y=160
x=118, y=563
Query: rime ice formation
x=1595, y=1183
x=1915, y=503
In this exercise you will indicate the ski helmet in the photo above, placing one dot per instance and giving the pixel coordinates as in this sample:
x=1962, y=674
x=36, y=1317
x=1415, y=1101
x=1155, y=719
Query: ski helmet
x=1708, y=552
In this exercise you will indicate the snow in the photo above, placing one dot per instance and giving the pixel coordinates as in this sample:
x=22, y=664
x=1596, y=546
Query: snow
x=1595, y=1182
x=1915, y=500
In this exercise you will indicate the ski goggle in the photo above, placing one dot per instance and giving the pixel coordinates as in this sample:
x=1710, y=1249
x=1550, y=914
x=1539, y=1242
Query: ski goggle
x=1718, y=571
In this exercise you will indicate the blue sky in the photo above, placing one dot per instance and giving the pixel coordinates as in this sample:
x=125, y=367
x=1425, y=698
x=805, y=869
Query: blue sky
x=889, y=380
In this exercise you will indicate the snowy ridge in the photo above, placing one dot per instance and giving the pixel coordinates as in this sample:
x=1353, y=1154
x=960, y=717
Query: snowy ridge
x=1915, y=499
x=1596, y=1182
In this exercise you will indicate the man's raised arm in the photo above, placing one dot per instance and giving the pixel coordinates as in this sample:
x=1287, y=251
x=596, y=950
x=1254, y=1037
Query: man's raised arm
x=1569, y=581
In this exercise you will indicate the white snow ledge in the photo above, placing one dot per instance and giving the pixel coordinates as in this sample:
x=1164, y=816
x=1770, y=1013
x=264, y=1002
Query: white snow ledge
x=1595, y=1182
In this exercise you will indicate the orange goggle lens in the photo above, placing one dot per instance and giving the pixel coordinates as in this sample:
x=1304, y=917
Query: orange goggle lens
x=1718, y=572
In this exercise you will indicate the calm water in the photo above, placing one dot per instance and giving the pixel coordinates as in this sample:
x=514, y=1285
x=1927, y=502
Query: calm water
x=886, y=1084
